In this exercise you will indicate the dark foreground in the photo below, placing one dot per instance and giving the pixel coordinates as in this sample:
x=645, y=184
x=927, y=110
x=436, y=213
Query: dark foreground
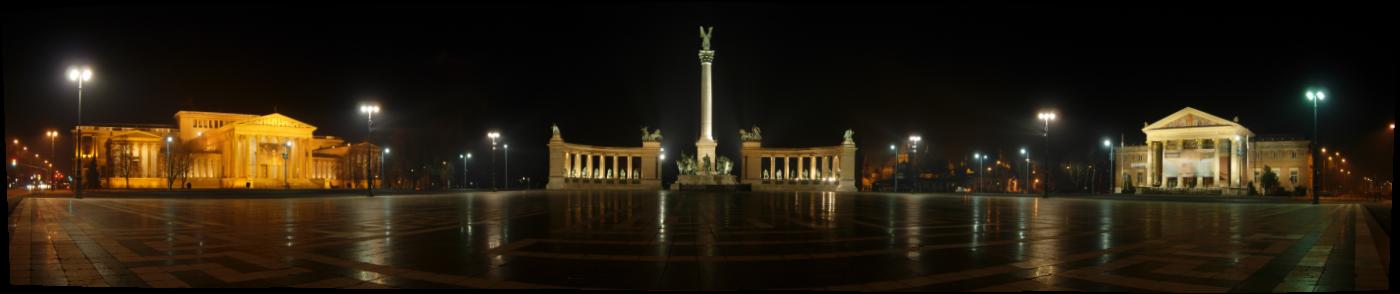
x=698, y=241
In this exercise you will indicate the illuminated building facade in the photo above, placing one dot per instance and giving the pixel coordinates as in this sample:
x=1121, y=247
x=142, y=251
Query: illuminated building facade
x=222, y=150
x=1195, y=152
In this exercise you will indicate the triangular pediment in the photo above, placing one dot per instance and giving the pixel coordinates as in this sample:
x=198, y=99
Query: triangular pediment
x=134, y=134
x=275, y=120
x=1190, y=118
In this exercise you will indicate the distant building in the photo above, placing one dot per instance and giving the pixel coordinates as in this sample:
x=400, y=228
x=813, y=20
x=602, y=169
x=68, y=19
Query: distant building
x=1195, y=152
x=222, y=150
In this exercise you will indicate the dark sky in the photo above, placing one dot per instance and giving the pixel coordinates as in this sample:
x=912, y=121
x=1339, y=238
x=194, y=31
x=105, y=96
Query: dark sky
x=965, y=78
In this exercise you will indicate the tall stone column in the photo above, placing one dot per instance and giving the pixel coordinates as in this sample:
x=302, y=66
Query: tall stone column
x=706, y=145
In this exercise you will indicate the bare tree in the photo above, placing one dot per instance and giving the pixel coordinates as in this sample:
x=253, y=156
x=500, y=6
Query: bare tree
x=180, y=162
x=120, y=160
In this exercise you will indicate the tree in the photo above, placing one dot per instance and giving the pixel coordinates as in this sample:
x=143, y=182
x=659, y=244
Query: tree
x=1269, y=182
x=120, y=160
x=180, y=162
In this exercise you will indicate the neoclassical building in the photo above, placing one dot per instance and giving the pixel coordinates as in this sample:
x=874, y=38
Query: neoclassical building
x=222, y=150
x=1192, y=151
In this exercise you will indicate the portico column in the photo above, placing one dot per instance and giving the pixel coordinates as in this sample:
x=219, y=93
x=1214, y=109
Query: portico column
x=629, y=167
x=772, y=165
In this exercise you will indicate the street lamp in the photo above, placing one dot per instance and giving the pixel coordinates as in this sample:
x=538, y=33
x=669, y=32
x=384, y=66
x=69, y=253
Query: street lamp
x=369, y=110
x=1047, y=116
x=914, y=155
x=1112, y=169
x=493, y=135
x=80, y=76
x=464, y=158
x=53, y=135
x=1027, y=155
x=286, y=154
x=979, y=157
x=505, y=177
x=894, y=170
x=661, y=157
x=1316, y=97
x=169, y=165
x=381, y=163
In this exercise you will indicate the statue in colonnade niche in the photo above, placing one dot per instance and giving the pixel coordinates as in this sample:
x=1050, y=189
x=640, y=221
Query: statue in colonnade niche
x=765, y=174
x=636, y=175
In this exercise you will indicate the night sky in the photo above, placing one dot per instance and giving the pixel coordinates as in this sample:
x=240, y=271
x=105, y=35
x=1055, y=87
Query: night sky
x=964, y=78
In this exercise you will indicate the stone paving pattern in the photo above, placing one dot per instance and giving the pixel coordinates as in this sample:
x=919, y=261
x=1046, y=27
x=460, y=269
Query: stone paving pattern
x=698, y=241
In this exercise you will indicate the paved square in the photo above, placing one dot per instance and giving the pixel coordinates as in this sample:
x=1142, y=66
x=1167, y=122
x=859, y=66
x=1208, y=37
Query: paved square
x=698, y=241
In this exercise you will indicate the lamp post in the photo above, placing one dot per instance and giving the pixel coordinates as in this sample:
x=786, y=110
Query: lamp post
x=286, y=155
x=80, y=76
x=369, y=111
x=1047, y=117
x=493, y=136
x=169, y=166
x=661, y=157
x=382, y=154
x=505, y=177
x=1316, y=97
x=913, y=155
x=1112, y=169
x=53, y=135
x=464, y=158
x=894, y=170
x=1027, y=155
x=979, y=157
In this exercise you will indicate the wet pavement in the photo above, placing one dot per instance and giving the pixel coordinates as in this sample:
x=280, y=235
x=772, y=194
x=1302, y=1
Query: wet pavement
x=699, y=241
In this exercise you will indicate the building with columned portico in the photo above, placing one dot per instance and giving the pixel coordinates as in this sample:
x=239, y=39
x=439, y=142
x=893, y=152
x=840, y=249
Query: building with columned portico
x=222, y=150
x=1194, y=152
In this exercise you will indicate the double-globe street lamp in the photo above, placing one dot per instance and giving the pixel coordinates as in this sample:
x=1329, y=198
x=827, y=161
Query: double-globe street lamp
x=1047, y=116
x=1316, y=97
x=913, y=157
x=79, y=75
x=369, y=110
x=53, y=135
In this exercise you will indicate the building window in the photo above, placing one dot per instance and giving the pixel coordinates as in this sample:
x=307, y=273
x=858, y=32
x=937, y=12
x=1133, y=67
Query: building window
x=1293, y=154
x=1293, y=176
x=1207, y=144
x=1189, y=144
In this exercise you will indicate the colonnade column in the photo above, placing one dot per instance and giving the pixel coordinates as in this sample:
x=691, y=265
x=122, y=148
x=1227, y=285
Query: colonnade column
x=772, y=167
